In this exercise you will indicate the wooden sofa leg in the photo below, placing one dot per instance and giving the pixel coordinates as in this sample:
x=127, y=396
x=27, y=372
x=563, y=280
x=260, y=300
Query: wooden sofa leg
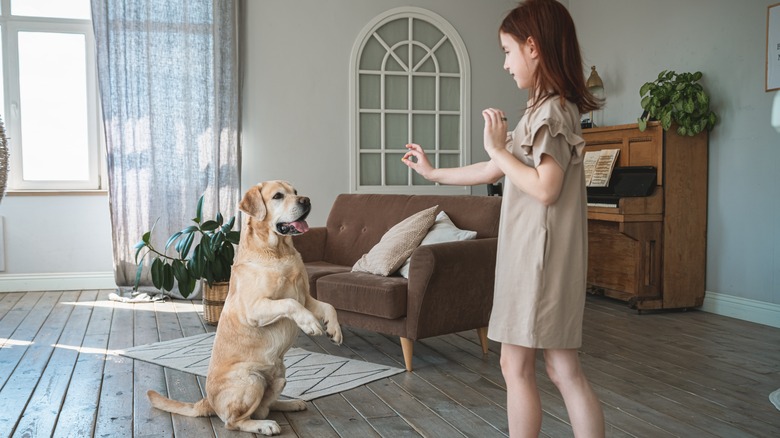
x=483, y=339
x=407, y=345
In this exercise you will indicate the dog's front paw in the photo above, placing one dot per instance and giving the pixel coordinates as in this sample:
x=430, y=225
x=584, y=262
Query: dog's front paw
x=309, y=324
x=333, y=329
x=332, y=326
x=268, y=427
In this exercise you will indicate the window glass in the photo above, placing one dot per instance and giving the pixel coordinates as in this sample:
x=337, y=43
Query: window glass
x=424, y=92
x=396, y=175
x=391, y=64
x=394, y=32
x=373, y=53
x=53, y=103
x=396, y=132
x=424, y=129
x=370, y=90
x=449, y=132
x=78, y=9
x=370, y=125
x=402, y=55
x=426, y=33
x=396, y=92
x=450, y=94
x=370, y=169
x=448, y=60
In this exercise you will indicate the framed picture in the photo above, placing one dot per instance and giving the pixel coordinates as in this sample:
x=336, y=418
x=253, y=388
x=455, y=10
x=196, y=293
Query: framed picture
x=773, y=47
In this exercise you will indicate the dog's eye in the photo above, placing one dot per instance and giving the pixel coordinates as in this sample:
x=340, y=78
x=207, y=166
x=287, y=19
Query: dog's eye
x=278, y=196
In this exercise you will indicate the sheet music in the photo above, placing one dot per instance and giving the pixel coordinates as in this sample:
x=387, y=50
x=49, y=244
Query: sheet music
x=598, y=166
x=589, y=163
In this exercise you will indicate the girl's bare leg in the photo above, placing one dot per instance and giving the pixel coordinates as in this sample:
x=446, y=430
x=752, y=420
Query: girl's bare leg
x=523, y=405
x=584, y=408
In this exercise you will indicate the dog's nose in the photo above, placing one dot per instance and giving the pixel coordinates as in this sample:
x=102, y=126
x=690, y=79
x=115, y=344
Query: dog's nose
x=304, y=201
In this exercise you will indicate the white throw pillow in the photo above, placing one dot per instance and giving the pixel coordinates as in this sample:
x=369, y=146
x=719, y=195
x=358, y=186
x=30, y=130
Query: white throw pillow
x=397, y=244
x=443, y=230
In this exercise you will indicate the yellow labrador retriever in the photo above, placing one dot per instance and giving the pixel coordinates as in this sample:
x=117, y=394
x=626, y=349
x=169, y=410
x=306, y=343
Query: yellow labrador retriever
x=267, y=303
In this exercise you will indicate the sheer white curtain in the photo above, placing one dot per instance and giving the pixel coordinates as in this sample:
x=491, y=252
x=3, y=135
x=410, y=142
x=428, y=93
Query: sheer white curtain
x=168, y=74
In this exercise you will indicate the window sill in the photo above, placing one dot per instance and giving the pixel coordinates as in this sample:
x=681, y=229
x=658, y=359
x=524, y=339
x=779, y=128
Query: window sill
x=56, y=192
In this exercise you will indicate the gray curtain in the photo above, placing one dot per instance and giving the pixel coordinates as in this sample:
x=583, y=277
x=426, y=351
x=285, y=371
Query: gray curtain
x=168, y=75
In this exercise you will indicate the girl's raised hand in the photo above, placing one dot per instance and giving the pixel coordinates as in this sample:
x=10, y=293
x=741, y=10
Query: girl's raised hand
x=495, y=130
x=416, y=159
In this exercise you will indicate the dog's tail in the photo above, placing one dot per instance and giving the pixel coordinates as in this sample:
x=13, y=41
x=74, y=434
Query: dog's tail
x=198, y=409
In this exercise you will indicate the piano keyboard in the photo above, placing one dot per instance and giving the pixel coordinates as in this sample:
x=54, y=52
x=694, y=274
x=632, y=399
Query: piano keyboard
x=601, y=204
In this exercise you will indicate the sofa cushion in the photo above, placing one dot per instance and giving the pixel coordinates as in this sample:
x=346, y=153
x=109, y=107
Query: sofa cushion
x=315, y=270
x=365, y=293
x=443, y=230
x=397, y=244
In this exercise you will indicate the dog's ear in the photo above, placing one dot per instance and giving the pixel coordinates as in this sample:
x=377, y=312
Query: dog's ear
x=253, y=204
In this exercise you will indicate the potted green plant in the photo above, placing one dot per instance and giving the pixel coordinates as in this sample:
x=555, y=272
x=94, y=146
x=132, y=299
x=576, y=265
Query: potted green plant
x=677, y=98
x=211, y=259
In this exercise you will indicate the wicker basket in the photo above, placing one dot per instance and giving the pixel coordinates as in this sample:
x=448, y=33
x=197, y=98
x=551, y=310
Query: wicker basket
x=213, y=301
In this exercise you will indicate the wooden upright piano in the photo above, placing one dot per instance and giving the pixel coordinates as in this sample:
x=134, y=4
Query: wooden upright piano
x=651, y=251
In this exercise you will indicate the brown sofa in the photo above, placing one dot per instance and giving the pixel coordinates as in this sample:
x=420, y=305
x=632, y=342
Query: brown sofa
x=450, y=285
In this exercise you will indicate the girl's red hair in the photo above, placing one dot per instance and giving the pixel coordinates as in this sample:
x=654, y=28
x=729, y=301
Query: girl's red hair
x=560, y=70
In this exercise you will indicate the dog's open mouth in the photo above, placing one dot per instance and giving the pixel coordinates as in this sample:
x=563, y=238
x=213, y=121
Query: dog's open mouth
x=298, y=226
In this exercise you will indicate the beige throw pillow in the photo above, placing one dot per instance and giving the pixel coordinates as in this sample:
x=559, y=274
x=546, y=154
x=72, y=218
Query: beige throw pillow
x=397, y=244
x=443, y=230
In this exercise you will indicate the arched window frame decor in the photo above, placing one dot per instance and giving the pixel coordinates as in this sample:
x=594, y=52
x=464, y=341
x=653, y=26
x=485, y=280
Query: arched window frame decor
x=384, y=155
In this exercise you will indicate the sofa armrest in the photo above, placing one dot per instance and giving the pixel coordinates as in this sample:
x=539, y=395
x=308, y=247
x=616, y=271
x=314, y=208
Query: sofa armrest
x=311, y=244
x=451, y=285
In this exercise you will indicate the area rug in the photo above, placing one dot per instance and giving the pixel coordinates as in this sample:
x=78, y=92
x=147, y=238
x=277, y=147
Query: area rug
x=309, y=375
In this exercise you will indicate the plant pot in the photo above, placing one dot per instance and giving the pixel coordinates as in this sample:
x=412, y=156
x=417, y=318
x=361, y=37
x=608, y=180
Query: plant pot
x=213, y=301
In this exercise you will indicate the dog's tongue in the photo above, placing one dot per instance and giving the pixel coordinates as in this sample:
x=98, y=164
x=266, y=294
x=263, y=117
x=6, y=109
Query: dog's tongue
x=301, y=226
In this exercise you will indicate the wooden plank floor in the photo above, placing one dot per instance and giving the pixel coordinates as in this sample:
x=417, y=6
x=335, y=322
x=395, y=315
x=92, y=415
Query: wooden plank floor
x=685, y=374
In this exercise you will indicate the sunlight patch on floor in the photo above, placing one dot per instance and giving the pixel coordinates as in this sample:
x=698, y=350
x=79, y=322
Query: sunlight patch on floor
x=166, y=307
x=8, y=343
x=88, y=350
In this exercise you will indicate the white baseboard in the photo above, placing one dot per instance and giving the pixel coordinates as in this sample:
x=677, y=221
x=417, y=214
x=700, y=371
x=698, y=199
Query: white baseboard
x=57, y=281
x=742, y=308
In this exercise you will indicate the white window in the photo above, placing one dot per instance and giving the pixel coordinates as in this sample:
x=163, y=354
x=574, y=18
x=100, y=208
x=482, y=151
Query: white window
x=49, y=97
x=409, y=84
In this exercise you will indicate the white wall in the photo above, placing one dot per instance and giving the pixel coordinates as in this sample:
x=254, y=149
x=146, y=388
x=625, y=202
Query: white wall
x=630, y=42
x=296, y=85
x=56, y=242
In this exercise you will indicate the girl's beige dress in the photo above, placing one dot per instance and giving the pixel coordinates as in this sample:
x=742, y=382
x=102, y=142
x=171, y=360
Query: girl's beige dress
x=541, y=264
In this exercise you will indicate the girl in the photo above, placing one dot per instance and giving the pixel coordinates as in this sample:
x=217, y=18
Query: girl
x=542, y=250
